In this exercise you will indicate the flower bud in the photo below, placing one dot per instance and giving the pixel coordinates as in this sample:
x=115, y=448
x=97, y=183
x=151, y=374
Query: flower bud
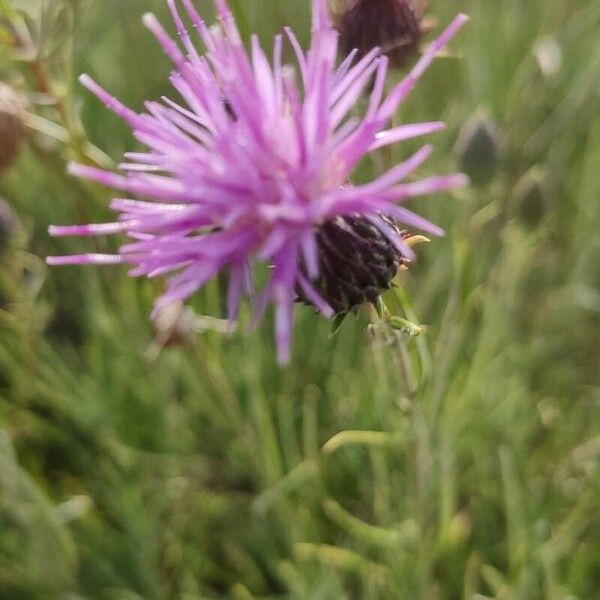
x=12, y=105
x=529, y=199
x=478, y=149
x=392, y=25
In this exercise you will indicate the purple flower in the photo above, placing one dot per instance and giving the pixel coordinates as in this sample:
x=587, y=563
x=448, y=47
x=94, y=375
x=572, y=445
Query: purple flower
x=253, y=160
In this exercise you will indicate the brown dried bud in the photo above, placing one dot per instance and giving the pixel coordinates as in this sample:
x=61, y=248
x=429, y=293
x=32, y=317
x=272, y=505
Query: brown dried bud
x=12, y=105
x=392, y=25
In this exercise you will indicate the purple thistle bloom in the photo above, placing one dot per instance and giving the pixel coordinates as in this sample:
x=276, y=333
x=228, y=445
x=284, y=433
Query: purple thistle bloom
x=251, y=164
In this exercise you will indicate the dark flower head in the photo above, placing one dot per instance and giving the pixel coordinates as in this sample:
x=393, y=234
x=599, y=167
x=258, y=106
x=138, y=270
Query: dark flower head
x=478, y=148
x=392, y=25
x=251, y=164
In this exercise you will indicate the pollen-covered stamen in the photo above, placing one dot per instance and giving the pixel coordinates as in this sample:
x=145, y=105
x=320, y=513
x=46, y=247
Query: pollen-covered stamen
x=357, y=262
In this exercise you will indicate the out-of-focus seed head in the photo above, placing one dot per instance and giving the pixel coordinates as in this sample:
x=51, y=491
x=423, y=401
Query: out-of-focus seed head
x=529, y=199
x=9, y=224
x=12, y=105
x=392, y=25
x=478, y=148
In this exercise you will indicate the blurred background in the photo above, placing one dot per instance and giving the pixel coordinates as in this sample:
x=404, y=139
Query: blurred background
x=172, y=464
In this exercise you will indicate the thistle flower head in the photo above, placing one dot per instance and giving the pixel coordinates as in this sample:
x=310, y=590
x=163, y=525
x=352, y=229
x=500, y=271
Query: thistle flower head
x=251, y=163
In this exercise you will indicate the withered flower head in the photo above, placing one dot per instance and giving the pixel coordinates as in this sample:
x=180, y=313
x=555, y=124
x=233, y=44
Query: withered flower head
x=11, y=125
x=392, y=25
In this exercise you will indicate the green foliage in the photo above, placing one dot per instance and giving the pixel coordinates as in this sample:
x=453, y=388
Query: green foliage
x=460, y=463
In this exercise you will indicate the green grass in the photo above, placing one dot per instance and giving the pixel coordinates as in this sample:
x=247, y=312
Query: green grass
x=461, y=464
